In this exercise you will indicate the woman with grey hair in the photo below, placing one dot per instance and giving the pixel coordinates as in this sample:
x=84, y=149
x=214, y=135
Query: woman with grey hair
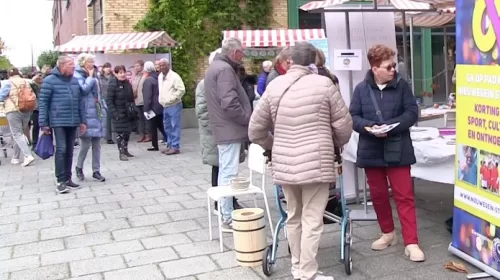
x=150, y=94
x=96, y=114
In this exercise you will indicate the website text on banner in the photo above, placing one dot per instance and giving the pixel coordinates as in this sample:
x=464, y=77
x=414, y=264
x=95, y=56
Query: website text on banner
x=476, y=216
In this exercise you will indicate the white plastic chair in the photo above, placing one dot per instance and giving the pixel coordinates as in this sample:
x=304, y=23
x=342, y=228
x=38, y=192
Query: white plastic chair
x=256, y=163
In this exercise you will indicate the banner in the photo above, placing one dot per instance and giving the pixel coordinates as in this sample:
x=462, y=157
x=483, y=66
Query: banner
x=476, y=215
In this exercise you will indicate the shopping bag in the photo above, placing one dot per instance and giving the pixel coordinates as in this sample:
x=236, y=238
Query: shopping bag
x=44, y=147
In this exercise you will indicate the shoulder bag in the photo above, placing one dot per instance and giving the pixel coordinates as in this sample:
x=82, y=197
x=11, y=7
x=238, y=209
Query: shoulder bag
x=393, y=144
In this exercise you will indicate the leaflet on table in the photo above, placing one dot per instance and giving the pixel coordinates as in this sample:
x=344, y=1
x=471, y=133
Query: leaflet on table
x=149, y=114
x=476, y=214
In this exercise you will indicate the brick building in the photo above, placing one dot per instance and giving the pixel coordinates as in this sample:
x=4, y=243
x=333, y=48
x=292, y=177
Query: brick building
x=68, y=19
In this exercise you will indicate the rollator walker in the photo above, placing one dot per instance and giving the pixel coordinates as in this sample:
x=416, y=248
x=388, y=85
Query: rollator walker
x=344, y=220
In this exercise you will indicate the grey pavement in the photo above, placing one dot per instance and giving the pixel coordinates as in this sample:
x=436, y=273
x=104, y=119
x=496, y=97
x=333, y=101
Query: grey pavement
x=149, y=221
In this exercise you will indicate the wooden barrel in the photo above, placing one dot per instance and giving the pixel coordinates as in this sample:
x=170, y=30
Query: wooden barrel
x=249, y=236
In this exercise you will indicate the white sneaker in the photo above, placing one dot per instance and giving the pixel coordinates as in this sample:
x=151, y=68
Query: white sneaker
x=28, y=160
x=15, y=161
x=322, y=277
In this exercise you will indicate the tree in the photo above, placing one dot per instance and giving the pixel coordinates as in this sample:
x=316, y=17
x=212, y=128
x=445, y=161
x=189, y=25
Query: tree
x=47, y=58
x=4, y=63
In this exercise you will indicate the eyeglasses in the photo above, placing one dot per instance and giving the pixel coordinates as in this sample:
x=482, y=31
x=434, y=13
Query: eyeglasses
x=389, y=67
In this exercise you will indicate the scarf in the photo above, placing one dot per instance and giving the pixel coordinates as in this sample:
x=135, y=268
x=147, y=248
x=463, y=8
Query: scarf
x=280, y=69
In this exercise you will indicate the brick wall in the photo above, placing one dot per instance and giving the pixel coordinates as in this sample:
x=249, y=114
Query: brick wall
x=70, y=20
x=121, y=16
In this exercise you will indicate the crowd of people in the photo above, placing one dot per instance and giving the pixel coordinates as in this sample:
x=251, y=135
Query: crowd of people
x=300, y=120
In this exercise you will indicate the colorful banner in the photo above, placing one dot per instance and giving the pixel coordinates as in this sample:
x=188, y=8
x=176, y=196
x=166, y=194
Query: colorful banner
x=476, y=217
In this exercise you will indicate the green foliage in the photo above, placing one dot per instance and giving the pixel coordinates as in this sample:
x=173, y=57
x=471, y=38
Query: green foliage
x=197, y=25
x=257, y=13
x=47, y=58
x=4, y=63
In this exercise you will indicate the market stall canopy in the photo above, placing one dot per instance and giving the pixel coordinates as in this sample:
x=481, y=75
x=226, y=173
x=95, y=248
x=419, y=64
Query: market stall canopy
x=415, y=9
x=274, y=38
x=117, y=42
x=438, y=3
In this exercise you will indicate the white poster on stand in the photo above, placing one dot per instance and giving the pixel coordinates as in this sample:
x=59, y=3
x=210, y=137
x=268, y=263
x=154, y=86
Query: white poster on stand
x=367, y=29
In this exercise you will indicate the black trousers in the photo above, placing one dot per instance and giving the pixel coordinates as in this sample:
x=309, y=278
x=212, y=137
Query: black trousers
x=156, y=124
x=35, y=129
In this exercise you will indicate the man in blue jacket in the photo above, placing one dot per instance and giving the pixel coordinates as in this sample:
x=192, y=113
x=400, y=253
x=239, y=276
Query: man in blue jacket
x=61, y=109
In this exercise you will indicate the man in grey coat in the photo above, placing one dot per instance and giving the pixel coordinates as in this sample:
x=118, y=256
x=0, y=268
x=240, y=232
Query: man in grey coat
x=229, y=112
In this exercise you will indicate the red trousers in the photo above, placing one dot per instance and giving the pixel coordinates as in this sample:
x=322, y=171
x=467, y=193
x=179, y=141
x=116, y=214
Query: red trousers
x=401, y=185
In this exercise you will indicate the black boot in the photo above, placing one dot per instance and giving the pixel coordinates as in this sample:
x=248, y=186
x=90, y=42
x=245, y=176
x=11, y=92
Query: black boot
x=97, y=175
x=123, y=156
x=126, y=150
x=79, y=174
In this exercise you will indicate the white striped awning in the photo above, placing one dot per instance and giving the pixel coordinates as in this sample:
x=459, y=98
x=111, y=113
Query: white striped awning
x=438, y=3
x=450, y=10
x=420, y=19
x=275, y=37
x=117, y=42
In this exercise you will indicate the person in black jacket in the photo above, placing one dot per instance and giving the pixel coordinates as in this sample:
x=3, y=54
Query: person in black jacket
x=120, y=101
x=382, y=99
x=150, y=94
x=248, y=82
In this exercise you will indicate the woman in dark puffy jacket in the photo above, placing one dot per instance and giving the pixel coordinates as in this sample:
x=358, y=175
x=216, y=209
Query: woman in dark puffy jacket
x=120, y=100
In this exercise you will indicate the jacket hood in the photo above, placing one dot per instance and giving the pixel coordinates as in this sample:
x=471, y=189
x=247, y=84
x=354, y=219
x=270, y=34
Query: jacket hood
x=226, y=59
x=370, y=79
x=154, y=75
x=58, y=73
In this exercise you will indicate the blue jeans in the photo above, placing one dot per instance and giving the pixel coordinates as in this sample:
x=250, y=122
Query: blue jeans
x=229, y=159
x=65, y=138
x=172, y=125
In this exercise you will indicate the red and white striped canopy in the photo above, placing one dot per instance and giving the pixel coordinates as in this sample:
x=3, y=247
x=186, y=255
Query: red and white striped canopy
x=438, y=3
x=450, y=10
x=419, y=18
x=117, y=42
x=274, y=38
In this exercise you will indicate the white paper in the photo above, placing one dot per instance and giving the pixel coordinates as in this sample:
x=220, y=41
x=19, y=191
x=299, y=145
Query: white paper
x=149, y=114
x=384, y=129
x=347, y=60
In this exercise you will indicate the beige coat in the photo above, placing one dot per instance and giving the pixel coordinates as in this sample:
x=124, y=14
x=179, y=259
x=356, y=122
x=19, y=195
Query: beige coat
x=312, y=119
x=11, y=102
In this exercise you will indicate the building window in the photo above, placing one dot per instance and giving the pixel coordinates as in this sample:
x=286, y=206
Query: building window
x=309, y=20
x=98, y=17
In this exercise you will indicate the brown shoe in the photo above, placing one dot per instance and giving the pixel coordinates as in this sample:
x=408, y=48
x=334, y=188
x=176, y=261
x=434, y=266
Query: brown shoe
x=172, y=152
x=146, y=139
x=165, y=152
x=142, y=139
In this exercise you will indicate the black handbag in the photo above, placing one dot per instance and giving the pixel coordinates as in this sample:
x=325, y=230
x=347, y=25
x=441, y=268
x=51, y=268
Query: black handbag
x=132, y=112
x=393, y=144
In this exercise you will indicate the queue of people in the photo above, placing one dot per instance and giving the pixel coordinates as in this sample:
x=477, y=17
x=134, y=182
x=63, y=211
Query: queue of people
x=303, y=140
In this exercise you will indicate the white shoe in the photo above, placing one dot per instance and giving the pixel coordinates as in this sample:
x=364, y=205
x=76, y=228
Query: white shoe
x=15, y=161
x=386, y=240
x=414, y=253
x=322, y=277
x=28, y=160
x=295, y=273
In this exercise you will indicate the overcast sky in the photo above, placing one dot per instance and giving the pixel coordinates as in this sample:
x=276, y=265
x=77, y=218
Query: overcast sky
x=26, y=23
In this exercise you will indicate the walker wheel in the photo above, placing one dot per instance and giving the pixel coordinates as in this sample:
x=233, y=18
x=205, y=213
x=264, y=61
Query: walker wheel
x=267, y=262
x=347, y=259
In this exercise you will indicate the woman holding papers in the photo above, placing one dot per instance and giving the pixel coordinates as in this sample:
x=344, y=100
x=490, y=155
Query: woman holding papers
x=383, y=109
x=153, y=111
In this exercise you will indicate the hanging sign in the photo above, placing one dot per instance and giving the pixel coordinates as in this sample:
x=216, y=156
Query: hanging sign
x=347, y=60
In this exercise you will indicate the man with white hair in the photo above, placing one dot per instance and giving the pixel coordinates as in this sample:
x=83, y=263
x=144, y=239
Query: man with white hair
x=171, y=88
x=61, y=109
x=229, y=112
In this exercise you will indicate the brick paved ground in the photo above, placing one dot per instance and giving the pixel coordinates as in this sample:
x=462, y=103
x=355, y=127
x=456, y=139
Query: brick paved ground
x=148, y=221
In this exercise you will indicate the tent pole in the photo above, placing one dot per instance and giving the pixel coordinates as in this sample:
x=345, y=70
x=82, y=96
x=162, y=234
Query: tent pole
x=446, y=65
x=405, y=50
x=412, y=68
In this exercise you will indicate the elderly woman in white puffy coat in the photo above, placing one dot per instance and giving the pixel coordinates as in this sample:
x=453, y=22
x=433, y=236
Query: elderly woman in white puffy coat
x=209, y=151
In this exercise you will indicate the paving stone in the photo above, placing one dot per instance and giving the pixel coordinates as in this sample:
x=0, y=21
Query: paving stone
x=113, y=197
x=117, y=248
x=197, y=248
x=188, y=214
x=196, y=203
x=38, y=248
x=147, y=272
x=40, y=224
x=6, y=229
x=64, y=231
x=130, y=189
x=53, y=272
x=138, y=202
x=101, y=207
x=165, y=241
x=5, y=253
x=18, y=238
x=150, y=256
x=178, y=227
x=149, y=219
x=81, y=219
x=8, y=211
x=107, y=225
x=93, y=193
x=149, y=194
x=163, y=208
x=60, y=213
x=103, y=264
x=186, y=267
x=89, y=277
x=173, y=198
x=183, y=190
x=19, y=203
x=225, y=260
x=53, y=197
x=38, y=207
x=77, y=202
x=19, y=264
x=229, y=274
x=88, y=239
x=25, y=217
x=135, y=233
x=122, y=213
x=66, y=256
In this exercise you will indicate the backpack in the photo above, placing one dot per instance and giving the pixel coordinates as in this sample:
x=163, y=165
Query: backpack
x=26, y=98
